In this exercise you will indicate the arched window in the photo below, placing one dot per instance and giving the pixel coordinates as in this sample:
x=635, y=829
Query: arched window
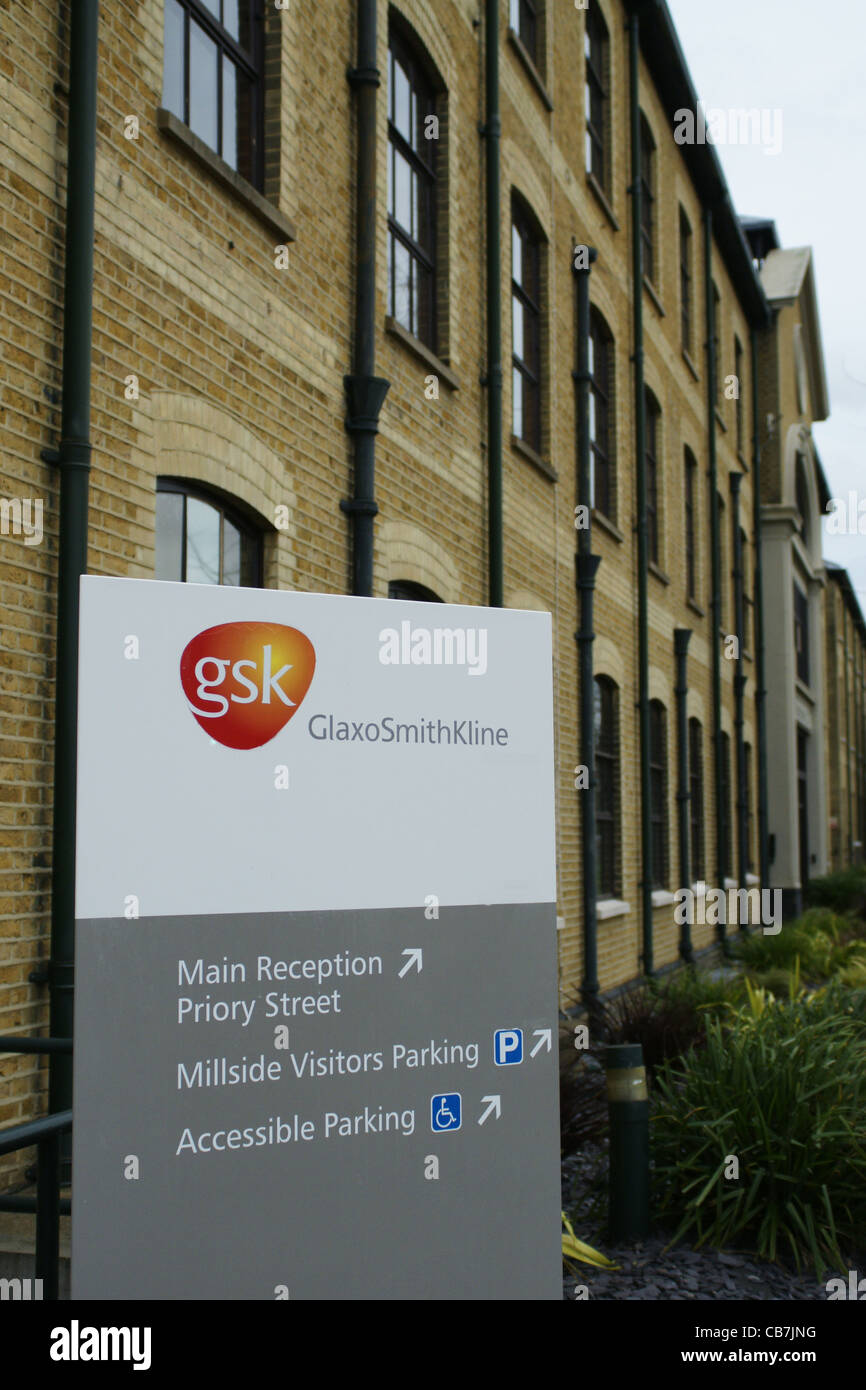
x=658, y=759
x=596, y=52
x=526, y=311
x=652, y=444
x=647, y=189
x=407, y=589
x=602, y=481
x=696, y=797
x=201, y=538
x=413, y=166
x=606, y=737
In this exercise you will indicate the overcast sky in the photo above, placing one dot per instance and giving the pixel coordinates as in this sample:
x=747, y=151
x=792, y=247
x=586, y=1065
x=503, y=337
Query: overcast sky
x=807, y=61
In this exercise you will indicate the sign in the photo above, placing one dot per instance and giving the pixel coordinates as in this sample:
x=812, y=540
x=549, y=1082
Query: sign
x=315, y=906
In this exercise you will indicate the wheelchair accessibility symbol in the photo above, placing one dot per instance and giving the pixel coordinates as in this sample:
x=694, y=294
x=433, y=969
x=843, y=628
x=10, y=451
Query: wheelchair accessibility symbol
x=445, y=1112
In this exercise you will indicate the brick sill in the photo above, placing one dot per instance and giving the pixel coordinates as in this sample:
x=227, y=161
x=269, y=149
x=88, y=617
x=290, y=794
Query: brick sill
x=602, y=199
x=607, y=525
x=535, y=459
x=658, y=573
x=651, y=291
x=169, y=124
x=691, y=366
x=696, y=608
x=532, y=71
x=720, y=420
x=422, y=352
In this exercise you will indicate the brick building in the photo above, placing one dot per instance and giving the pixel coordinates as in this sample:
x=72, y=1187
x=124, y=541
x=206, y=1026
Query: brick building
x=239, y=325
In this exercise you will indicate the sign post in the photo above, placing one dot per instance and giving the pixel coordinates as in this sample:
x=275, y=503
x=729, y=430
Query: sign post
x=316, y=1021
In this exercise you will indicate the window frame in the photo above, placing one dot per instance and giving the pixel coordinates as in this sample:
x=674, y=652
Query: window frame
x=530, y=372
x=690, y=464
x=658, y=765
x=596, y=53
x=685, y=282
x=228, y=511
x=648, y=150
x=606, y=742
x=524, y=17
x=425, y=88
x=602, y=461
x=739, y=358
x=802, y=654
x=251, y=63
x=725, y=837
x=697, y=846
x=653, y=414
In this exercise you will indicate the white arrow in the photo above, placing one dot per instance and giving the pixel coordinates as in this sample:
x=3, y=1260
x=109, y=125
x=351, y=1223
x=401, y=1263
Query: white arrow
x=544, y=1037
x=495, y=1104
x=416, y=957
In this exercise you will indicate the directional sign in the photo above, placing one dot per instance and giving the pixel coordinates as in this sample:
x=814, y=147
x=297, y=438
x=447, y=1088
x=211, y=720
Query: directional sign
x=315, y=882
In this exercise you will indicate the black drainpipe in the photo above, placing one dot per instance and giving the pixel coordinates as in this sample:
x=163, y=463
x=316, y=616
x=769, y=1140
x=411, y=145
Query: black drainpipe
x=761, y=691
x=73, y=460
x=681, y=649
x=492, y=131
x=739, y=688
x=642, y=521
x=586, y=565
x=848, y=759
x=365, y=391
x=715, y=602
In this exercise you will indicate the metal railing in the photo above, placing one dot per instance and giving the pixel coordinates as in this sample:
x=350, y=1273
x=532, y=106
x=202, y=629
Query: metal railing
x=44, y=1133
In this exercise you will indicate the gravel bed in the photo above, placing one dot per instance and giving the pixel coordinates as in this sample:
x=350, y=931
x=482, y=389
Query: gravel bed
x=649, y=1272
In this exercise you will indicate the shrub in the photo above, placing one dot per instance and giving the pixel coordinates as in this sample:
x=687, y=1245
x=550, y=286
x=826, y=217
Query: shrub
x=844, y=891
x=783, y=1091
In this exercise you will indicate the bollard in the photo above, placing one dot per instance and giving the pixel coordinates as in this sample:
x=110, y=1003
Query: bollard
x=628, y=1109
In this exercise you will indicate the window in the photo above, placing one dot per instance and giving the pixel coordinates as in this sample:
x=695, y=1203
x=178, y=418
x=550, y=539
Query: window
x=526, y=327
x=685, y=282
x=747, y=592
x=596, y=53
x=747, y=797
x=714, y=335
x=601, y=417
x=801, y=633
x=213, y=78
x=738, y=370
x=723, y=536
x=408, y=589
x=696, y=797
x=726, y=827
x=691, y=493
x=653, y=416
x=802, y=498
x=647, y=183
x=523, y=16
x=658, y=759
x=412, y=161
x=606, y=733
x=202, y=540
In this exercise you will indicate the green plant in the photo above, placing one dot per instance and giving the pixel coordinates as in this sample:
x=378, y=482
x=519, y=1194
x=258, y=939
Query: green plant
x=781, y=1090
x=575, y=1249
x=844, y=891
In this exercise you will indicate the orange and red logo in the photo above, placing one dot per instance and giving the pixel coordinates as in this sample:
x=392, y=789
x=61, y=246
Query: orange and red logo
x=244, y=681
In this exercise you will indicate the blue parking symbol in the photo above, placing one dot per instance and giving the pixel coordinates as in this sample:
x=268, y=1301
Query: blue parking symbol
x=507, y=1046
x=445, y=1112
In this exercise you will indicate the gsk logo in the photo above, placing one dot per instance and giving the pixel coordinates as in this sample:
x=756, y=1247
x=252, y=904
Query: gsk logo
x=244, y=681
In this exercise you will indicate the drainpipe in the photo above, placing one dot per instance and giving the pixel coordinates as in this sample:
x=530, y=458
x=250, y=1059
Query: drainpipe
x=848, y=735
x=492, y=131
x=73, y=460
x=715, y=602
x=586, y=566
x=365, y=392
x=739, y=688
x=642, y=521
x=681, y=648
x=761, y=692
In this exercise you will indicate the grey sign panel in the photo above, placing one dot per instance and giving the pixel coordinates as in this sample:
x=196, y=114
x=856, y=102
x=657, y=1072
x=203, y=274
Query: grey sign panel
x=350, y=1105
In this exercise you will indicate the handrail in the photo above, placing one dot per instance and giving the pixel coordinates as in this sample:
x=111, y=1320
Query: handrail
x=13, y=1042
x=45, y=1133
